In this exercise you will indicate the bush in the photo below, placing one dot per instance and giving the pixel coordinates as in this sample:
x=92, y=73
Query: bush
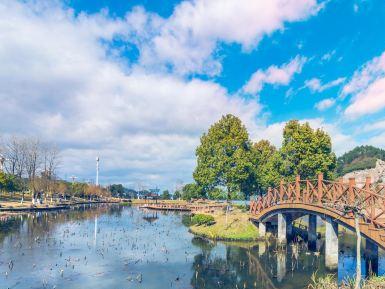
x=201, y=219
x=244, y=208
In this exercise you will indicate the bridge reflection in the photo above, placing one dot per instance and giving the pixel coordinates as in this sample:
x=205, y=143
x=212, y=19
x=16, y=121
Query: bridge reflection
x=260, y=266
x=264, y=266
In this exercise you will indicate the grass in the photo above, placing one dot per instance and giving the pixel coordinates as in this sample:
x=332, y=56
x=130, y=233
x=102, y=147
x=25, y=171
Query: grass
x=329, y=282
x=237, y=227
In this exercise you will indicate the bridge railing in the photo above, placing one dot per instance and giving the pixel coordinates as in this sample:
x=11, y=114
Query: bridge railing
x=369, y=198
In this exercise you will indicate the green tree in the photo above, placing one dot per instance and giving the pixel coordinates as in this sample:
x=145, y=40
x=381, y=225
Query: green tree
x=7, y=182
x=267, y=163
x=192, y=191
x=216, y=194
x=117, y=190
x=165, y=195
x=177, y=195
x=224, y=157
x=306, y=152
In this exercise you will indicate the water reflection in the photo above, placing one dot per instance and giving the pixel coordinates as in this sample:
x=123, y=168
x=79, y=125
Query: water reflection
x=109, y=246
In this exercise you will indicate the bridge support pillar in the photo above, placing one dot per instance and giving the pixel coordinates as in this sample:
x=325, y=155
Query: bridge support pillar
x=281, y=228
x=285, y=228
x=331, y=244
x=262, y=229
x=281, y=266
x=371, y=260
x=261, y=248
x=312, y=233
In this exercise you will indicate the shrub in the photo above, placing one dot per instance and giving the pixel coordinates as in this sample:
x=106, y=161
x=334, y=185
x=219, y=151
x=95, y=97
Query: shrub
x=201, y=219
x=243, y=207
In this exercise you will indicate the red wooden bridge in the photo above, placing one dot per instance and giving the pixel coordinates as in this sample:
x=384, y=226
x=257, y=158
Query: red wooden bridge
x=329, y=198
x=334, y=201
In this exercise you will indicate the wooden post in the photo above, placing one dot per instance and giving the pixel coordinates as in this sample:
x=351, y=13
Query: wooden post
x=281, y=190
x=297, y=188
x=352, y=183
x=369, y=202
x=320, y=187
x=269, y=196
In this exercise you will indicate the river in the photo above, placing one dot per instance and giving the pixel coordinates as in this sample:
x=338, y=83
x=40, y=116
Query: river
x=115, y=247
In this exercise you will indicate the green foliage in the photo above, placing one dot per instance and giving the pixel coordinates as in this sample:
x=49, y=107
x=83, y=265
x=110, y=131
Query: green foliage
x=224, y=157
x=227, y=159
x=202, y=219
x=306, y=152
x=192, y=191
x=165, y=195
x=360, y=158
x=267, y=163
x=243, y=207
x=117, y=190
x=7, y=182
x=177, y=195
x=216, y=194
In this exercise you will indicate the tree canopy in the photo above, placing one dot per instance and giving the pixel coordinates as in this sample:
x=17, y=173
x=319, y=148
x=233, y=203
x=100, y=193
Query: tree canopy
x=224, y=157
x=267, y=163
x=165, y=195
x=306, y=152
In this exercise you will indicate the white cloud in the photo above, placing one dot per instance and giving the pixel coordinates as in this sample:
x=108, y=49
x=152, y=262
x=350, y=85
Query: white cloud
x=325, y=104
x=367, y=88
x=315, y=84
x=369, y=101
x=378, y=125
x=58, y=82
x=327, y=56
x=274, y=75
x=364, y=76
x=188, y=38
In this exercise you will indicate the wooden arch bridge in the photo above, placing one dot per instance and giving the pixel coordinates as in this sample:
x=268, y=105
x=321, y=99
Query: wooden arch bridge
x=333, y=201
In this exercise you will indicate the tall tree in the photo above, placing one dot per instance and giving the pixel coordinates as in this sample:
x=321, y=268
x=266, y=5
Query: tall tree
x=224, y=157
x=165, y=195
x=192, y=191
x=267, y=163
x=306, y=152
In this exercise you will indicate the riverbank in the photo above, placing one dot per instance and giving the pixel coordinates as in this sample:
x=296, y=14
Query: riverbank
x=329, y=282
x=13, y=205
x=233, y=226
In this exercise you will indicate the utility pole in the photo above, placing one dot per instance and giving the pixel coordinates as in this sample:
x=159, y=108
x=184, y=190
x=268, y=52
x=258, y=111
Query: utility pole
x=97, y=171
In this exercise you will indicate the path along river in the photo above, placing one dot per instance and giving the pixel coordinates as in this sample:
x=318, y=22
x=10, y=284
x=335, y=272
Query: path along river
x=114, y=247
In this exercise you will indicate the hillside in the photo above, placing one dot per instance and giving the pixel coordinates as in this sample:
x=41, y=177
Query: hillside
x=360, y=158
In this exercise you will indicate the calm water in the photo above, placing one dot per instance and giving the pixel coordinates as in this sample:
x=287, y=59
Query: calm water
x=122, y=247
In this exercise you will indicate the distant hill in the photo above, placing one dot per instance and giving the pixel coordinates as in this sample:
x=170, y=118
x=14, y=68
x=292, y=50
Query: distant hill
x=360, y=158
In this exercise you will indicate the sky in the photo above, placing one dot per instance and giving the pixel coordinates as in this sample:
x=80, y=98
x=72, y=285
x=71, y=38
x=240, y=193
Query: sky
x=137, y=82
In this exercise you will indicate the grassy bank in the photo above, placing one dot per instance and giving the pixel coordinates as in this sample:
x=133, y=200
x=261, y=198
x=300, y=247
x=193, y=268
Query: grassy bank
x=329, y=282
x=235, y=227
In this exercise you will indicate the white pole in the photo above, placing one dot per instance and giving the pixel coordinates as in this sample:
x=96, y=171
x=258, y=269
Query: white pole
x=97, y=171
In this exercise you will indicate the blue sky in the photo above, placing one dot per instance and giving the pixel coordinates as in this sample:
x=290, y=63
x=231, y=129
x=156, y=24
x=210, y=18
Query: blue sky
x=137, y=82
